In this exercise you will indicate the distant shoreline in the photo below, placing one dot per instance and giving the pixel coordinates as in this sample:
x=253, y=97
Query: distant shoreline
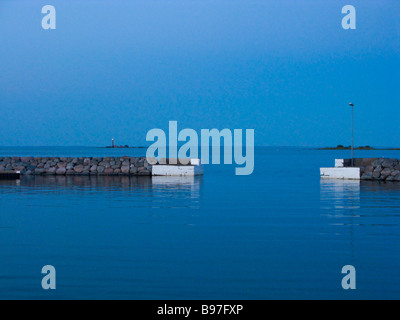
x=340, y=147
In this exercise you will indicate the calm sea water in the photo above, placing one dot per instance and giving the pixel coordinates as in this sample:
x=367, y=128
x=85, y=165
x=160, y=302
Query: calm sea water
x=278, y=233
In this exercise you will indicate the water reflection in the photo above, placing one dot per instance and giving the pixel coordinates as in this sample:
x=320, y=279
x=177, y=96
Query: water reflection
x=357, y=208
x=151, y=192
x=341, y=194
x=354, y=194
x=380, y=186
x=341, y=200
x=173, y=183
x=80, y=181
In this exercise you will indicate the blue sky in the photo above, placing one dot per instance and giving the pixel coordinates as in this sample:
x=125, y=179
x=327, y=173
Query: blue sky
x=120, y=68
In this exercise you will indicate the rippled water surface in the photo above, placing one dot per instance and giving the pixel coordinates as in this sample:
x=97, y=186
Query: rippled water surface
x=278, y=233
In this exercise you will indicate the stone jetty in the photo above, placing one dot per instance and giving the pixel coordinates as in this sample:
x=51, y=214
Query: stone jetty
x=381, y=169
x=378, y=169
x=104, y=166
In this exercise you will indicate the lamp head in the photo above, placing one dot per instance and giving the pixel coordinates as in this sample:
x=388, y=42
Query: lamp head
x=351, y=104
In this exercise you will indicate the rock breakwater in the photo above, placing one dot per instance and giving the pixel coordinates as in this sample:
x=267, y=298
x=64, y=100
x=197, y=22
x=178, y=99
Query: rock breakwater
x=107, y=166
x=381, y=169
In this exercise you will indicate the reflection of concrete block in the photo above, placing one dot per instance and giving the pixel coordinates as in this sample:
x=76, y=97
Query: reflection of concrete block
x=340, y=185
x=174, y=180
x=340, y=173
x=173, y=170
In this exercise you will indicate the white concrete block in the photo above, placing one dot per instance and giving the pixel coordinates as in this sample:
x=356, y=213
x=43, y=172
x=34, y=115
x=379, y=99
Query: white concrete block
x=151, y=160
x=195, y=162
x=172, y=170
x=340, y=173
x=339, y=163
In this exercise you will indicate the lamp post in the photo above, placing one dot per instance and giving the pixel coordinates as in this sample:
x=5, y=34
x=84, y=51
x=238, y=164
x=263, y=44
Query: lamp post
x=352, y=133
